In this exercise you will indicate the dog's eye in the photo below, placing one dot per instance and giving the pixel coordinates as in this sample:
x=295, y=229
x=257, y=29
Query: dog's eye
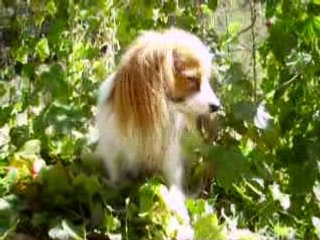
x=193, y=82
x=192, y=79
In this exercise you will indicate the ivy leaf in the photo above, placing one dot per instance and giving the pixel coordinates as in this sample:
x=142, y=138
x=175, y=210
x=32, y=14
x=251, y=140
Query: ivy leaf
x=85, y=186
x=51, y=7
x=42, y=49
x=112, y=223
x=230, y=164
x=244, y=110
x=284, y=231
x=122, y=31
x=282, y=40
x=317, y=2
x=192, y=145
x=271, y=8
x=19, y=135
x=305, y=184
x=234, y=28
x=311, y=28
x=199, y=207
x=21, y=54
x=213, y=4
x=316, y=24
x=53, y=81
x=5, y=114
x=208, y=227
x=148, y=193
x=2, y=90
x=100, y=69
x=30, y=147
x=57, y=189
x=55, y=34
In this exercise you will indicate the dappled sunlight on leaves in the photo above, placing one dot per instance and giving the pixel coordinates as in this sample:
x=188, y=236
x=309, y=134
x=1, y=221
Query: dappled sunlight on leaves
x=252, y=170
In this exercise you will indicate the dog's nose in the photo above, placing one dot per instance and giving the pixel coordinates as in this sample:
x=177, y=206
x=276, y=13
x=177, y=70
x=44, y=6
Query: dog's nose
x=214, y=107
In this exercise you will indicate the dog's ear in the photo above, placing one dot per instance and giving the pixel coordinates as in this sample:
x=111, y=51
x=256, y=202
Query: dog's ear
x=141, y=77
x=168, y=67
x=176, y=61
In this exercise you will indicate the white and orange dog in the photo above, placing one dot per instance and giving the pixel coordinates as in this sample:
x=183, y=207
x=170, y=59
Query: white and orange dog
x=160, y=85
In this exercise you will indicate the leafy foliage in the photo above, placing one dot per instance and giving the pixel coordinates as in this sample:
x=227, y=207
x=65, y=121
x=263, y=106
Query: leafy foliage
x=257, y=176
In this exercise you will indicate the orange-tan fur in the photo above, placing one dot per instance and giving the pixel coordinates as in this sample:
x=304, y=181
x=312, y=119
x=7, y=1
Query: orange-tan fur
x=141, y=80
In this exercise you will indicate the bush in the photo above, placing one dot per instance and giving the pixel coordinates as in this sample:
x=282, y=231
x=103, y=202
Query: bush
x=257, y=176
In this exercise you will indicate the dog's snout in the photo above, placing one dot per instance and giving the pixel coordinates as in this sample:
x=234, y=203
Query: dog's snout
x=214, y=107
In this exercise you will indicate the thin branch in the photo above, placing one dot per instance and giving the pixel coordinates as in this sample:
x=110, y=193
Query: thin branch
x=254, y=48
x=252, y=24
x=288, y=82
x=227, y=24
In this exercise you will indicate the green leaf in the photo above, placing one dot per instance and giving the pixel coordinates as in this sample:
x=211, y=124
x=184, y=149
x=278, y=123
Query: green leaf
x=21, y=54
x=213, y=4
x=316, y=24
x=192, y=144
x=57, y=190
x=244, y=110
x=148, y=193
x=309, y=172
x=208, y=227
x=310, y=28
x=42, y=49
x=230, y=164
x=51, y=7
x=56, y=33
x=53, y=81
x=30, y=147
x=234, y=28
x=112, y=223
x=198, y=207
x=282, y=231
x=2, y=90
x=317, y=2
x=100, y=69
x=271, y=8
x=5, y=114
x=86, y=186
x=282, y=39
x=19, y=135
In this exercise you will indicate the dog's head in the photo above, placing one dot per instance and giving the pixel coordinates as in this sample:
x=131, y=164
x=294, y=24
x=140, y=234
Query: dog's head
x=161, y=69
x=190, y=90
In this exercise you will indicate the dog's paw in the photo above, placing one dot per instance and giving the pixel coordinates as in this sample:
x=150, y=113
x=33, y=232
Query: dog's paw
x=185, y=232
x=179, y=231
x=180, y=220
x=174, y=199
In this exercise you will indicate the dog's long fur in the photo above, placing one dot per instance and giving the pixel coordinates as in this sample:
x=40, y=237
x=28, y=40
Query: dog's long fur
x=161, y=84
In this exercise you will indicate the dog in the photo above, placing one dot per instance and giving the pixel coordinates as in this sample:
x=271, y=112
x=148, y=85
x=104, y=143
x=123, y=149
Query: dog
x=159, y=88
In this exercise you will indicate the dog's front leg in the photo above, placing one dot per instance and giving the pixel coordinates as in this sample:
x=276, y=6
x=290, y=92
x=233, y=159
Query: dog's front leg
x=109, y=154
x=173, y=172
